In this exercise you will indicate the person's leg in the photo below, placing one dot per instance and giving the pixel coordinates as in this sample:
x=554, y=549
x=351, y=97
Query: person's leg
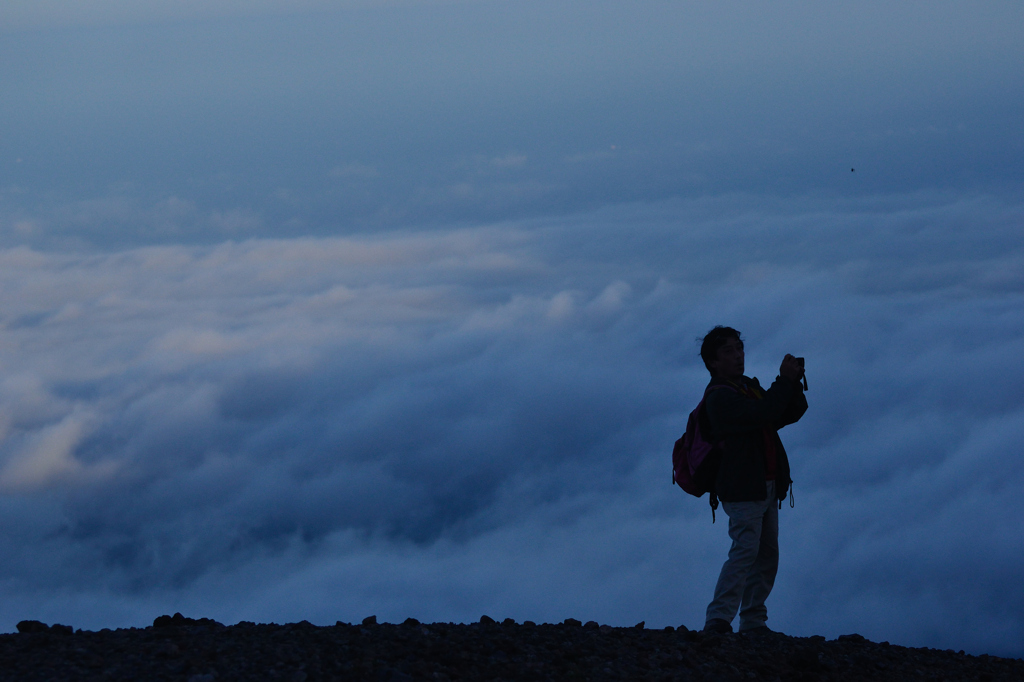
x=753, y=613
x=745, y=519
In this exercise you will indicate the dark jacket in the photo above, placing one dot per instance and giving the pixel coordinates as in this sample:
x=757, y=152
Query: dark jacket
x=740, y=421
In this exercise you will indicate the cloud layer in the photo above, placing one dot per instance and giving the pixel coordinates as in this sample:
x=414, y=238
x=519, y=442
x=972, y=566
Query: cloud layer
x=445, y=423
x=341, y=308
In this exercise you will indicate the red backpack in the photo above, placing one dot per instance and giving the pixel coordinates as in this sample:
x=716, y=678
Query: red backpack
x=695, y=459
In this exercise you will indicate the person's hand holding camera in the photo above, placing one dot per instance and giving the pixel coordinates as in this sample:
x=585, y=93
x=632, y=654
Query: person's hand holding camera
x=792, y=368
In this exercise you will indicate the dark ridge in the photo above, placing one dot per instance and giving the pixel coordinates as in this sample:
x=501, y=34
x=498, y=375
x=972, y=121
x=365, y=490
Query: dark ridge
x=203, y=650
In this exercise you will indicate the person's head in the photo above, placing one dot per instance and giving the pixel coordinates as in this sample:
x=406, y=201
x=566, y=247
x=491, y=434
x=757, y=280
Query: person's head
x=722, y=352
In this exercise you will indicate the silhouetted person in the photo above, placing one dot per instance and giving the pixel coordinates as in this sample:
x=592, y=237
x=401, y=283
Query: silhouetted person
x=753, y=477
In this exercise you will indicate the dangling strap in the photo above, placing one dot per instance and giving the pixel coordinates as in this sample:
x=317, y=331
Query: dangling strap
x=792, y=501
x=713, y=500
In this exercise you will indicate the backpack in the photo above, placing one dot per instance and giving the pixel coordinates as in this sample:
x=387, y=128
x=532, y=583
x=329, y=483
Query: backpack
x=695, y=459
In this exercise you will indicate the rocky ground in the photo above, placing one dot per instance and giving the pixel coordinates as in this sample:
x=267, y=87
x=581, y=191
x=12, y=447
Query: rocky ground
x=178, y=648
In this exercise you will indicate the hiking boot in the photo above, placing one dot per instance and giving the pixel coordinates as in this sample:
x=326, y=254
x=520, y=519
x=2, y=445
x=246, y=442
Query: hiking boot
x=717, y=625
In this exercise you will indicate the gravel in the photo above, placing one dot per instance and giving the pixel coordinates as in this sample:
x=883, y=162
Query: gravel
x=202, y=650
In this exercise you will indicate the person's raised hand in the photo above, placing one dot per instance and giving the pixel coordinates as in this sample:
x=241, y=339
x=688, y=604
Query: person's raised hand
x=791, y=368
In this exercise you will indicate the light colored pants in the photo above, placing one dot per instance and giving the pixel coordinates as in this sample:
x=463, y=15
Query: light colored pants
x=748, y=574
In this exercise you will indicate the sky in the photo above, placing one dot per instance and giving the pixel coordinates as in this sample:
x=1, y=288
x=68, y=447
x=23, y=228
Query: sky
x=317, y=310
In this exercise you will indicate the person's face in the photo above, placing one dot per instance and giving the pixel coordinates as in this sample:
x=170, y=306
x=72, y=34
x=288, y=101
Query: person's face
x=729, y=360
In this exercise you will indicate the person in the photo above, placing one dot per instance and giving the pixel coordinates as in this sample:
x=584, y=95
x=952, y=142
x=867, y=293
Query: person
x=753, y=476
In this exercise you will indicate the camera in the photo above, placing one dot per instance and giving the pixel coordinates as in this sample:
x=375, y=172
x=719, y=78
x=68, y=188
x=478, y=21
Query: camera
x=801, y=361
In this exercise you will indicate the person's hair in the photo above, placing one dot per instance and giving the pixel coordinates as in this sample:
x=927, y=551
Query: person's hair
x=713, y=340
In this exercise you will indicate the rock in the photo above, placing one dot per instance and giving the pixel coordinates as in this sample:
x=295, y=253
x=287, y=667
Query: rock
x=205, y=677
x=202, y=651
x=32, y=626
x=487, y=620
x=370, y=620
x=178, y=620
x=169, y=650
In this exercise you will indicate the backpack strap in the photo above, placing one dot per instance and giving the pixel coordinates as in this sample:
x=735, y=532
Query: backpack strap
x=792, y=500
x=713, y=497
x=716, y=386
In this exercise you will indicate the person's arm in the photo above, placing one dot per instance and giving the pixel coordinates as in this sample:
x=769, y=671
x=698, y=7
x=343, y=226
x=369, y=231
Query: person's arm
x=792, y=369
x=732, y=412
x=796, y=408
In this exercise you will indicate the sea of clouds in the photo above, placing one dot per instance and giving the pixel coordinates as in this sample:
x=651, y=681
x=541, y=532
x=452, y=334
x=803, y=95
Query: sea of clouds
x=478, y=419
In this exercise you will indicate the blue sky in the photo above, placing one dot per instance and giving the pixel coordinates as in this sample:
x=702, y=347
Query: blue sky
x=320, y=310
